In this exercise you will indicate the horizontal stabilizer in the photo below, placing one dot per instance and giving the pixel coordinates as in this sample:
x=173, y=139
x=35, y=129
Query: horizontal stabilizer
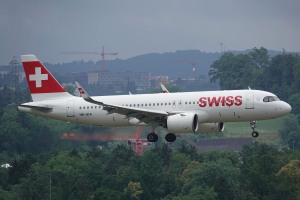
x=37, y=107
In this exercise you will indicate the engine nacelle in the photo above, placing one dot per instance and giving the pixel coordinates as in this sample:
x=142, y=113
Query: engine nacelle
x=182, y=123
x=211, y=128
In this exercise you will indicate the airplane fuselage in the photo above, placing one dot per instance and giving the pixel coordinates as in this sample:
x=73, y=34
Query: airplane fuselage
x=211, y=107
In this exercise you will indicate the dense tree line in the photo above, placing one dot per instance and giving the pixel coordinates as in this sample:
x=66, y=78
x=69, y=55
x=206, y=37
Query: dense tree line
x=41, y=160
x=260, y=171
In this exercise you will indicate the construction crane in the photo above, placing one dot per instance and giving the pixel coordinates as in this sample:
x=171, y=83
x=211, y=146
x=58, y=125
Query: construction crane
x=103, y=54
x=193, y=67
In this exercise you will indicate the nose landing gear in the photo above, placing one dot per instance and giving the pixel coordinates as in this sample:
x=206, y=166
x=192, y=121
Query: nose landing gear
x=253, y=126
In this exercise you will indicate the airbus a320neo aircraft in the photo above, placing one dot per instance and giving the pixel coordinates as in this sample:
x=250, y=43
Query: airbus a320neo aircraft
x=188, y=112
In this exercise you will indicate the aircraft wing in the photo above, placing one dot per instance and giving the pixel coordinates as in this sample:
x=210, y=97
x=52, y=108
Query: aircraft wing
x=145, y=115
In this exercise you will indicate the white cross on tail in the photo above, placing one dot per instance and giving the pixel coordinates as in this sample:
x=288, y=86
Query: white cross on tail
x=38, y=77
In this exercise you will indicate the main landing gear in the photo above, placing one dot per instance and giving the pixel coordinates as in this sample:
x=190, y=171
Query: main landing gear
x=254, y=134
x=170, y=137
x=152, y=137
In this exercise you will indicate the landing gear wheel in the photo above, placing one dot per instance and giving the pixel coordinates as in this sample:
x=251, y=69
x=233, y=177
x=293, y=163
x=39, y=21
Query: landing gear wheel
x=255, y=134
x=152, y=137
x=170, y=137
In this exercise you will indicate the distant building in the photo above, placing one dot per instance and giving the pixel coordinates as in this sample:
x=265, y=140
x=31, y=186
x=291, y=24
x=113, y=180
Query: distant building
x=106, y=79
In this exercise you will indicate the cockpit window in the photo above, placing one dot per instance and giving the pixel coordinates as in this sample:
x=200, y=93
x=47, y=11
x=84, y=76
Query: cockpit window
x=271, y=98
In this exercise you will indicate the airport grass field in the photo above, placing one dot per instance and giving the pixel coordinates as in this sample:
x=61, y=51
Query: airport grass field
x=268, y=130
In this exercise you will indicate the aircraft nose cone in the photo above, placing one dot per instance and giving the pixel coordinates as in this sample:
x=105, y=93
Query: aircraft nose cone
x=286, y=108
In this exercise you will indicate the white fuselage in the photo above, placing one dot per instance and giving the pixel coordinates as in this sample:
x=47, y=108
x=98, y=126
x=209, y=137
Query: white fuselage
x=211, y=107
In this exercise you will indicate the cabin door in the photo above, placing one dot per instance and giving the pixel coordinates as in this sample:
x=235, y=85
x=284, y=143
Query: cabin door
x=70, y=108
x=250, y=100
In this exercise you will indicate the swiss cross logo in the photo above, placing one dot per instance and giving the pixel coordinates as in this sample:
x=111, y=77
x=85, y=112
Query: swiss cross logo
x=38, y=77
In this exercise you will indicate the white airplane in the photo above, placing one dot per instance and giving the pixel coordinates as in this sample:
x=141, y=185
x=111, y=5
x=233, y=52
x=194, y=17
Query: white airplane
x=182, y=112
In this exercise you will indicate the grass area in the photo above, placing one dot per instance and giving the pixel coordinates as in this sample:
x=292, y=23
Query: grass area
x=268, y=130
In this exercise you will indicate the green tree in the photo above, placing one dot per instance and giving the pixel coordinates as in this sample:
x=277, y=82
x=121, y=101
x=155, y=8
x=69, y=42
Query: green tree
x=259, y=166
x=133, y=190
x=290, y=131
x=281, y=75
x=294, y=101
x=68, y=172
x=289, y=184
x=232, y=71
x=260, y=60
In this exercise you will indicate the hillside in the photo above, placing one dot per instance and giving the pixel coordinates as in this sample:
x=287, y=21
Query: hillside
x=171, y=64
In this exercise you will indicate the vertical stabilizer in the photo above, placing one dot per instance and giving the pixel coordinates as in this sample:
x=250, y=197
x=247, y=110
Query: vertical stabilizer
x=42, y=84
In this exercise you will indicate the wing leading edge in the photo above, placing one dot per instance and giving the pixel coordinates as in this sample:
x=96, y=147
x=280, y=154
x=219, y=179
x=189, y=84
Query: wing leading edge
x=144, y=115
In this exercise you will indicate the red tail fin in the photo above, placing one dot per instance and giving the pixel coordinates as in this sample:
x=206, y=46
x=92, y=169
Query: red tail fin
x=41, y=83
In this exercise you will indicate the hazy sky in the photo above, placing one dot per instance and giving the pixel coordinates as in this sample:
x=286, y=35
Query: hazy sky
x=134, y=27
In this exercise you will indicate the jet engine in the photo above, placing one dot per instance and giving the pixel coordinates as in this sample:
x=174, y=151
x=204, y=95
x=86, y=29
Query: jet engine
x=182, y=123
x=211, y=128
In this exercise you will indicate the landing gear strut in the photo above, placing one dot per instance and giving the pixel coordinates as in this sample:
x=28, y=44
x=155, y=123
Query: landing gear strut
x=152, y=137
x=253, y=126
x=170, y=137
